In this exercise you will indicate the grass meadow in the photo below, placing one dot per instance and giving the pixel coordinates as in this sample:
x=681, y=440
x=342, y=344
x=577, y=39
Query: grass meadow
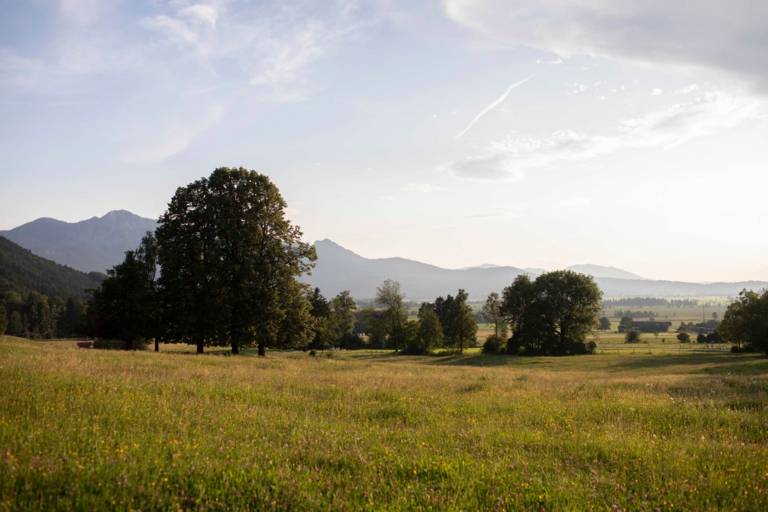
x=654, y=427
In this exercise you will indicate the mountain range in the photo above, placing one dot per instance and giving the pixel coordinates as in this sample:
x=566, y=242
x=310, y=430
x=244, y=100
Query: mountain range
x=92, y=245
x=99, y=243
x=340, y=269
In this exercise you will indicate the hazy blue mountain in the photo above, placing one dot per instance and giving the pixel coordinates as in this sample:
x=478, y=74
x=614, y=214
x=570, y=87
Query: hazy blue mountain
x=95, y=244
x=601, y=271
x=340, y=269
x=21, y=270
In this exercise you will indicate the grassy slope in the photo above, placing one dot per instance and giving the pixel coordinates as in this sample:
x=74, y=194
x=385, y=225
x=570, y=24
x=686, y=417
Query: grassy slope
x=95, y=430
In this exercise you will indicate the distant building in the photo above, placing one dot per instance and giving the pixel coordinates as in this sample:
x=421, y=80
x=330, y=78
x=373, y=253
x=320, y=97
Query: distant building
x=646, y=326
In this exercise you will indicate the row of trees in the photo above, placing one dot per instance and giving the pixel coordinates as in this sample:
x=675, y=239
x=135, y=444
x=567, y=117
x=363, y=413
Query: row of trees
x=447, y=322
x=35, y=315
x=230, y=260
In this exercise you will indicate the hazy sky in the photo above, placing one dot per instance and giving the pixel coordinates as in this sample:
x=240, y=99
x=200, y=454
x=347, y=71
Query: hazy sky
x=631, y=133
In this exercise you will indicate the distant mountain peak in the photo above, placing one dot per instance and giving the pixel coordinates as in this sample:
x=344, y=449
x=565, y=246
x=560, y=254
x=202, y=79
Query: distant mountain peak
x=604, y=271
x=94, y=244
x=120, y=213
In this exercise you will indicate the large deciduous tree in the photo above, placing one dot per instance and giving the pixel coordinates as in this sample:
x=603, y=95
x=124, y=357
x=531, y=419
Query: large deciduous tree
x=491, y=313
x=389, y=297
x=457, y=320
x=746, y=321
x=553, y=314
x=430, y=334
x=227, y=254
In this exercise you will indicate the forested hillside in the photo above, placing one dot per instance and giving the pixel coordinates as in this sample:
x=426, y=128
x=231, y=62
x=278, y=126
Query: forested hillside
x=22, y=271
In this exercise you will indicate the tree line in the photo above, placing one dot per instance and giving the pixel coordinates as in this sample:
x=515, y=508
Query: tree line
x=223, y=268
x=37, y=316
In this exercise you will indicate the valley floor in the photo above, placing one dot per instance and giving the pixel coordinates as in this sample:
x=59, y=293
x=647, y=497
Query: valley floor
x=655, y=427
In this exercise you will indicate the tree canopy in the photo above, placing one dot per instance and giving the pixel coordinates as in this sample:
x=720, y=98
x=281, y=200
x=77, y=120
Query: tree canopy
x=553, y=314
x=227, y=254
x=746, y=321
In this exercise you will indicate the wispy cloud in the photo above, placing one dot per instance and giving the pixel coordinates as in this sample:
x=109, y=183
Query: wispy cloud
x=641, y=30
x=171, y=139
x=495, y=103
x=421, y=188
x=509, y=158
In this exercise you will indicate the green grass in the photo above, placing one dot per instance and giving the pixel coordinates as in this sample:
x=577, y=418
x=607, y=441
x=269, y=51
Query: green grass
x=670, y=430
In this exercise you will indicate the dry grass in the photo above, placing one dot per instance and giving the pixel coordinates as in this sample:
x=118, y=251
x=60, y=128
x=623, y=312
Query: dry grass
x=90, y=429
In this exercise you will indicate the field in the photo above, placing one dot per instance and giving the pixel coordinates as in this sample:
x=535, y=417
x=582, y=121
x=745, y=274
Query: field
x=654, y=427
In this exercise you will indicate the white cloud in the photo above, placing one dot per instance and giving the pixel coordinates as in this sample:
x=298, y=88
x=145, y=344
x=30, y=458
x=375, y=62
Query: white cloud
x=709, y=113
x=729, y=36
x=495, y=103
x=287, y=54
x=171, y=139
x=421, y=188
x=687, y=90
x=82, y=12
x=657, y=92
x=273, y=46
x=200, y=13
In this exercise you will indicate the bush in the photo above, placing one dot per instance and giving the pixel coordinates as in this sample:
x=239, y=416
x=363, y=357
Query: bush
x=119, y=344
x=684, y=337
x=632, y=337
x=580, y=348
x=493, y=345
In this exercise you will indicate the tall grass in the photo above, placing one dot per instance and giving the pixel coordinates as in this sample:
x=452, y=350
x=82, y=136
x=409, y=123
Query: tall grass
x=92, y=430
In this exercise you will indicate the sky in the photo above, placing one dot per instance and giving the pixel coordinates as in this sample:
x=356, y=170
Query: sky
x=631, y=133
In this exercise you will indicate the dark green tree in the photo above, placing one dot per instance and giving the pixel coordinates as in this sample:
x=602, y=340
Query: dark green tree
x=517, y=300
x=626, y=324
x=632, y=337
x=72, y=321
x=40, y=322
x=15, y=324
x=125, y=306
x=492, y=314
x=342, y=319
x=3, y=319
x=296, y=330
x=389, y=298
x=457, y=320
x=553, y=314
x=430, y=332
x=227, y=252
x=746, y=321
x=604, y=324
x=371, y=324
x=320, y=309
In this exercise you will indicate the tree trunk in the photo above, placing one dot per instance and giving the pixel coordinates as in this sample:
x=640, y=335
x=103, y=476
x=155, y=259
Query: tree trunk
x=262, y=350
x=235, y=347
x=157, y=345
x=200, y=347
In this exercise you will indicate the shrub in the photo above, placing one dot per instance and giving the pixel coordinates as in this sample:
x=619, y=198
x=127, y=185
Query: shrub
x=684, y=337
x=493, y=345
x=632, y=337
x=119, y=344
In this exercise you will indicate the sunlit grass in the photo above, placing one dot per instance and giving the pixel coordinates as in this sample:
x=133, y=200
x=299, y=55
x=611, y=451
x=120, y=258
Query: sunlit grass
x=89, y=429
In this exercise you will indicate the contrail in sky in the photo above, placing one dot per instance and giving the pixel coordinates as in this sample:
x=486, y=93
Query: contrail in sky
x=493, y=105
